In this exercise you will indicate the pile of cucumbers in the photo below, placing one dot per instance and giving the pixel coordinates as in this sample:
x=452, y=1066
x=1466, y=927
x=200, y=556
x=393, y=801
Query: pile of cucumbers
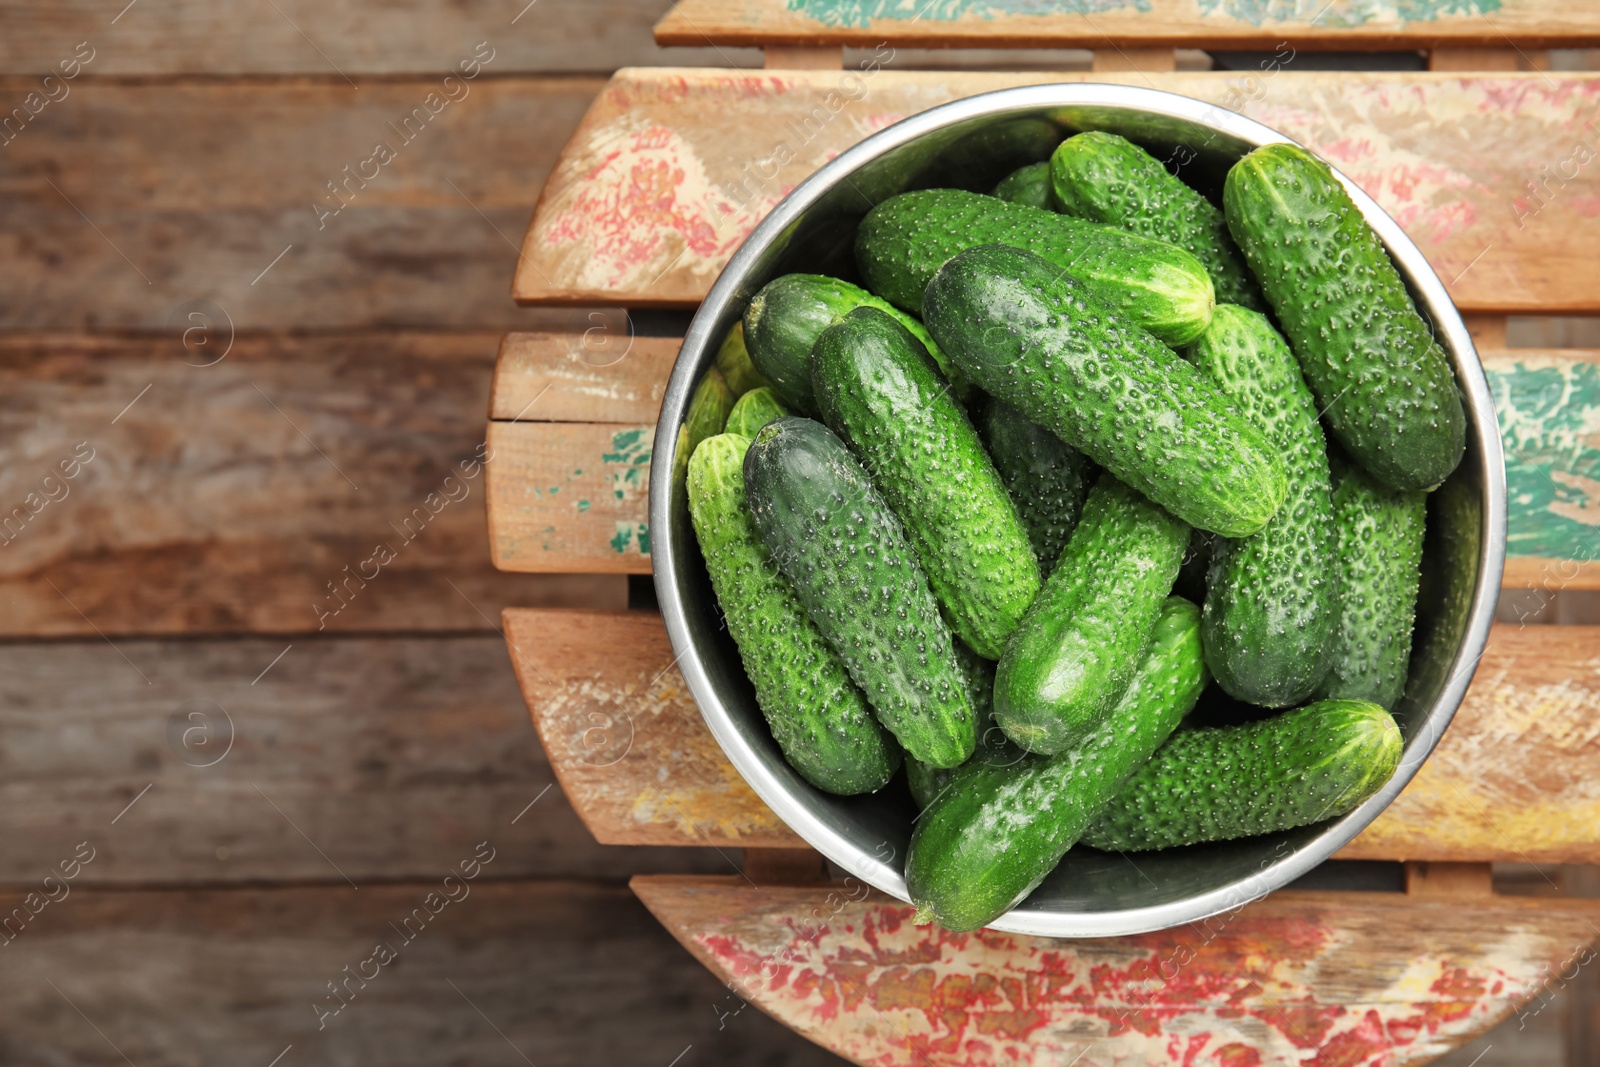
x=945, y=511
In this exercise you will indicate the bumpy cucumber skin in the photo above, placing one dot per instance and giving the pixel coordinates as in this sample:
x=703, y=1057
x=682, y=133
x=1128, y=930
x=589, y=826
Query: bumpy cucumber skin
x=1387, y=389
x=754, y=410
x=1108, y=179
x=994, y=834
x=1036, y=339
x=1083, y=638
x=837, y=542
x=1028, y=185
x=1224, y=782
x=1272, y=599
x=1380, y=559
x=708, y=408
x=1046, y=477
x=733, y=360
x=993, y=745
x=904, y=240
x=787, y=316
x=821, y=721
x=878, y=390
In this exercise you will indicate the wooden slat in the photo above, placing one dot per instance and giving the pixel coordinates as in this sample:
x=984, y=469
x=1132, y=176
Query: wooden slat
x=1349, y=978
x=671, y=168
x=1548, y=404
x=1353, y=24
x=558, y=975
x=604, y=374
x=226, y=498
x=1516, y=777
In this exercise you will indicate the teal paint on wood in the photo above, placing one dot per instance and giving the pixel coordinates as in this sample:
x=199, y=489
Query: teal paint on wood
x=1549, y=411
x=1337, y=14
x=860, y=13
x=1342, y=14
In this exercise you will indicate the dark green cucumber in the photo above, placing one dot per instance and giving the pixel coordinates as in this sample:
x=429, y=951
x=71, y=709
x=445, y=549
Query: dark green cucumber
x=821, y=721
x=1046, y=477
x=1028, y=185
x=733, y=360
x=1380, y=556
x=1083, y=638
x=1272, y=599
x=1108, y=179
x=1038, y=340
x=993, y=745
x=904, y=240
x=1385, y=386
x=787, y=316
x=754, y=410
x=878, y=390
x=979, y=159
x=837, y=542
x=994, y=834
x=1223, y=782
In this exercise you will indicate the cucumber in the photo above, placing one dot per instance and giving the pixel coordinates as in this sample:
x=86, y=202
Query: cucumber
x=991, y=838
x=1108, y=179
x=787, y=316
x=1272, y=599
x=1082, y=640
x=754, y=410
x=733, y=360
x=1046, y=477
x=905, y=239
x=878, y=390
x=993, y=746
x=1224, y=782
x=979, y=159
x=1384, y=384
x=1036, y=339
x=821, y=721
x=1028, y=185
x=1380, y=558
x=709, y=406
x=834, y=538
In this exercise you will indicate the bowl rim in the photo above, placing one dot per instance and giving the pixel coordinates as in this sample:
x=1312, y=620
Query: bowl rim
x=1483, y=432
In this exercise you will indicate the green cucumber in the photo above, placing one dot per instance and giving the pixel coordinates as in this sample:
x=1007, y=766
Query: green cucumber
x=994, y=834
x=1035, y=338
x=754, y=410
x=834, y=538
x=787, y=316
x=904, y=240
x=821, y=721
x=1224, y=782
x=978, y=160
x=709, y=405
x=1108, y=179
x=733, y=360
x=1272, y=599
x=1082, y=640
x=1380, y=557
x=1028, y=185
x=1383, y=382
x=878, y=390
x=993, y=745
x=1046, y=477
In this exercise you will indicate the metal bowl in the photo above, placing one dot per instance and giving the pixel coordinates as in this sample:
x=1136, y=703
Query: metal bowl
x=1090, y=894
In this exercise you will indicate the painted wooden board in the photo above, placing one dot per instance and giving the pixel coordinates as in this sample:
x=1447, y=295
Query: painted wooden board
x=669, y=169
x=571, y=497
x=1295, y=978
x=1516, y=777
x=1238, y=24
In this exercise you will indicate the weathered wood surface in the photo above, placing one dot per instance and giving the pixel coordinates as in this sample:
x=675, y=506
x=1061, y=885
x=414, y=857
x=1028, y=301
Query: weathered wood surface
x=1224, y=24
x=1516, y=777
x=567, y=497
x=227, y=497
x=670, y=169
x=1355, y=978
x=551, y=974
x=265, y=760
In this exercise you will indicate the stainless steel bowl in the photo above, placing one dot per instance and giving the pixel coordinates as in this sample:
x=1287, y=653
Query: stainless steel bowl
x=1090, y=894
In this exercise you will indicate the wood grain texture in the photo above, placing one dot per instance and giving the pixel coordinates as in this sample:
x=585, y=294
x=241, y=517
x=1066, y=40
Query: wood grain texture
x=227, y=498
x=670, y=169
x=261, y=760
x=1237, y=24
x=1516, y=777
x=604, y=374
x=1294, y=978
x=552, y=974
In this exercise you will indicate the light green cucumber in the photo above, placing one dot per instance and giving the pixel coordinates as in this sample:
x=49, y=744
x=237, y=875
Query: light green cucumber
x=754, y=410
x=1028, y=185
x=733, y=360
